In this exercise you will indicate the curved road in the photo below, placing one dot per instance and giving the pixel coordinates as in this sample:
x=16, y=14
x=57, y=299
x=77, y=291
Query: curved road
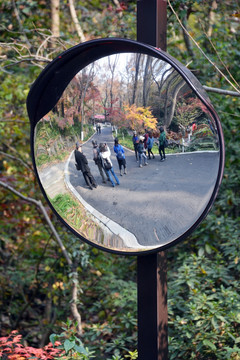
x=157, y=203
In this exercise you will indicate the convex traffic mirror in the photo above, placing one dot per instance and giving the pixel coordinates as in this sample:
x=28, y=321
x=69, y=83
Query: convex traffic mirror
x=114, y=88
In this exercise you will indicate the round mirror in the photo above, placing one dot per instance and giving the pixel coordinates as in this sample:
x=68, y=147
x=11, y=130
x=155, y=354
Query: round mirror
x=126, y=145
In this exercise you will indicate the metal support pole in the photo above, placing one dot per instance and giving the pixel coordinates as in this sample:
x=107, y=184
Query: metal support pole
x=152, y=307
x=152, y=269
x=152, y=22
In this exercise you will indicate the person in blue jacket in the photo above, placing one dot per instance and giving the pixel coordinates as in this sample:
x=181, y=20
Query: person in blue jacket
x=135, y=141
x=120, y=154
x=150, y=143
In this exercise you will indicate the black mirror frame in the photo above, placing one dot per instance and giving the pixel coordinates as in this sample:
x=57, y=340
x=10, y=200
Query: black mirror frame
x=50, y=84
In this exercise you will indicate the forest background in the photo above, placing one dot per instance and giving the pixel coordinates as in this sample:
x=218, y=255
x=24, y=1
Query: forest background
x=93, y=293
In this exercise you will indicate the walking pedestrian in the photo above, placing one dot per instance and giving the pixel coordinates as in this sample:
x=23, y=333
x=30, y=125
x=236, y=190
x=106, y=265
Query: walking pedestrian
x=118, y=149
x=135, y=141
x=146, y=135
x=98, y=161
x=162, y=139
x=141, y=152
x=150, y=143
x=82, y=164
x=105, y=154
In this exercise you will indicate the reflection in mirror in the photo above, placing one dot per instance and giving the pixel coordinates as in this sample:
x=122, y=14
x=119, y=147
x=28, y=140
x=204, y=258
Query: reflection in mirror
x=119, y=96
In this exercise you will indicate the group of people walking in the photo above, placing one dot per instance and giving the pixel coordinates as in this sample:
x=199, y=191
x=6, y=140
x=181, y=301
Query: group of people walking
x=143, y=146
x=102, y=157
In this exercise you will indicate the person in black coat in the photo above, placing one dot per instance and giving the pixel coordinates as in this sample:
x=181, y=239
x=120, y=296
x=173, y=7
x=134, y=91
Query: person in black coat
x=82, y=162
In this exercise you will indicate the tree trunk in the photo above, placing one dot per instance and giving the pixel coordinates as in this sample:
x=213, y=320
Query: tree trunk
x=168, y=115
x=137, y=64
x=211, y=18
x=187, y=39
x=75, y=21
x=55, y=24
x=146, y=80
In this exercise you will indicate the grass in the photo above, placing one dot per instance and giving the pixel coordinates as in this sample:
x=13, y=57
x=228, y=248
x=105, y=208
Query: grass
x=75, y=215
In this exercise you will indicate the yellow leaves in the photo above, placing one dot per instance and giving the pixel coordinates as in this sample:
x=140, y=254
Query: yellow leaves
x=96, y=272
x=140, y=117
x=58, y=285
x=236, y=260
x=47, y=268
x=62, y=263
x=237, y=15
x=55, y=300
x=8, y=168
x=203, y=271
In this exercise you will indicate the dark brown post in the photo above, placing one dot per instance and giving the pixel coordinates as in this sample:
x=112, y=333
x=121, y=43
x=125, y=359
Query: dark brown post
x=152, y=269
x=152, y=22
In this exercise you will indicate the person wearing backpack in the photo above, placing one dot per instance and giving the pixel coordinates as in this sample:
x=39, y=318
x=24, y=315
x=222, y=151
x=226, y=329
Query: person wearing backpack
x=118, y=149
x=105, y=154
x=162, y=139
x=98, y=161
x=141, y=152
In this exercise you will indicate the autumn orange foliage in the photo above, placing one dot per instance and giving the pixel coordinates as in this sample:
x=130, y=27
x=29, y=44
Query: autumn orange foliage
x=12, y=349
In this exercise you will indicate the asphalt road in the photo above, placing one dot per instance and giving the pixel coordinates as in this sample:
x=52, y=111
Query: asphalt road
x=157, y=203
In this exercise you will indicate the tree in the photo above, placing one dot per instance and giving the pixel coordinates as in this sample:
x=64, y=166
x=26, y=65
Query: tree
x=139, y=118
x=55, y=19
x=135, y=84
x=203, y=270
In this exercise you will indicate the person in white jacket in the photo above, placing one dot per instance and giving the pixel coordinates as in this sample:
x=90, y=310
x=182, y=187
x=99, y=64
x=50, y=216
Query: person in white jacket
x=105, y=154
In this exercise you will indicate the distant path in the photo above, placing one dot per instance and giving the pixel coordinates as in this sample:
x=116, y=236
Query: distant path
x=156, y=203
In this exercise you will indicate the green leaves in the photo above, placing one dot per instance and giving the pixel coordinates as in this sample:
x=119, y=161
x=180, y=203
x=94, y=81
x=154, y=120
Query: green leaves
x=203, y=276
x=68, y=345
x=71, y=344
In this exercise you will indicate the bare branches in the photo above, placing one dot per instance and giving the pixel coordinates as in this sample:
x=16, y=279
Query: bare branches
x=225, y=67
x=221, y=91
x=118, y=6
x=211, y=62
x=13, y=120
x=73, y=274
x=43, y=48
x=16, y=12
x=75, y=21
x=40, y=206
x=18, y=159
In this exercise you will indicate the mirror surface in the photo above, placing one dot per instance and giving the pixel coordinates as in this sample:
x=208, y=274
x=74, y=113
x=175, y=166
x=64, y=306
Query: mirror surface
x=154, y=204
